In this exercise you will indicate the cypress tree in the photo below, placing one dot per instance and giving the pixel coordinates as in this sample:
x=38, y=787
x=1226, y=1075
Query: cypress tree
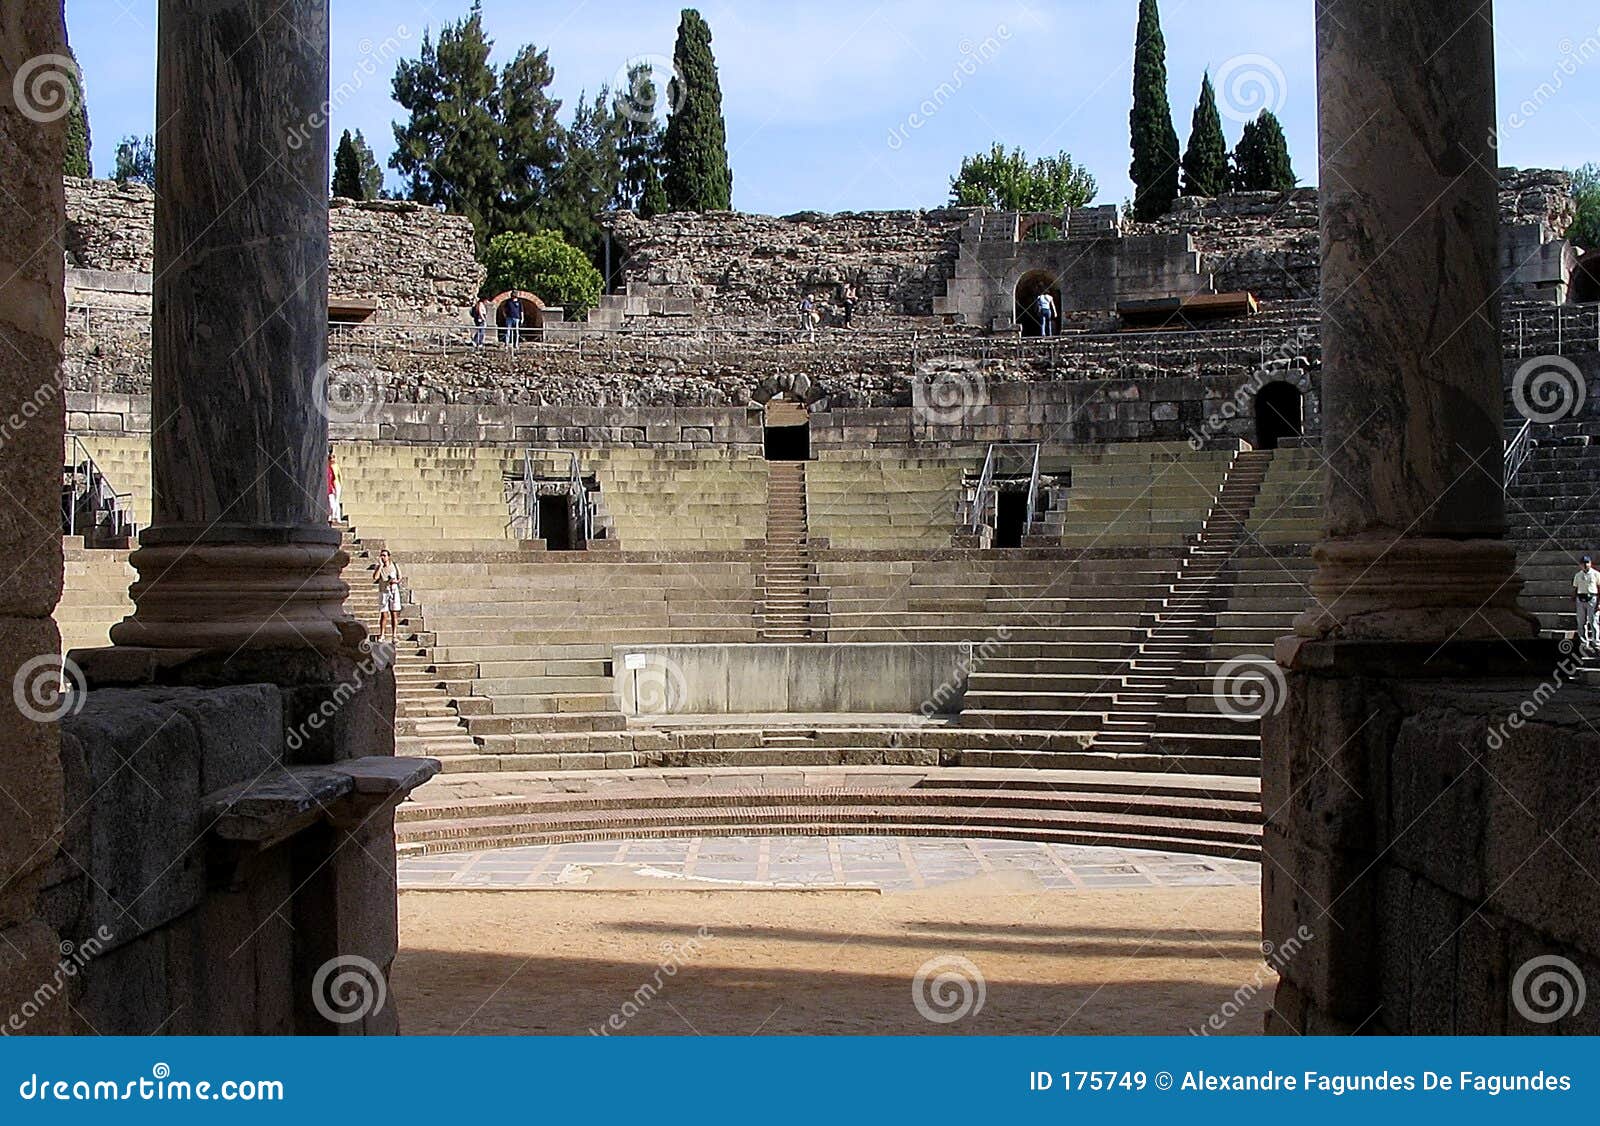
x=346, y=168
x=636, y=116
x=1155, y=142
x=1261, y=159
x=696, y=144
x=77, y=155
x=654, y=200
x=1205, y=162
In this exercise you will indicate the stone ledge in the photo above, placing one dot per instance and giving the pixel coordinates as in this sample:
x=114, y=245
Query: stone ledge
x=268, y=810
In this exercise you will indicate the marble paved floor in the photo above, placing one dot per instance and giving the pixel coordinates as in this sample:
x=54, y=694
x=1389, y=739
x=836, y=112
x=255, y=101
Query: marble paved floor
x=889, y=864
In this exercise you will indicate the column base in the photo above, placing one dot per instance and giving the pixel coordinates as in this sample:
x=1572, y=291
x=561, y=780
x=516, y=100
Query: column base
x=1416, y=590
x=283, y=591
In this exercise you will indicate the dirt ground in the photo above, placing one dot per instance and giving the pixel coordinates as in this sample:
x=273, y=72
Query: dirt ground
x=816, y=962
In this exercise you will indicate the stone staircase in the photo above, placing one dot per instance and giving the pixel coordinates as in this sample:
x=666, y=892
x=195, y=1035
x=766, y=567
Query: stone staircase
x=427, y=723
x=1553, y=516
x=1208, y=816
x=94, y=593
x=788, y=577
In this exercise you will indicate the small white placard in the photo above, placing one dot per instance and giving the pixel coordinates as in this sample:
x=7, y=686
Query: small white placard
x=633, y=661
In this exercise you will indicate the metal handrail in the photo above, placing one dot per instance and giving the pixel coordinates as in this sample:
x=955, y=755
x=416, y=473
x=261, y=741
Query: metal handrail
x=985, y=487
x=92, y=475
x=580, y=497
x=1033, y=488
x=1517, y=451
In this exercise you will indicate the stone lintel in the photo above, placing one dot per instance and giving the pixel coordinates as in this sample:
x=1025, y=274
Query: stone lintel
x=270, y=809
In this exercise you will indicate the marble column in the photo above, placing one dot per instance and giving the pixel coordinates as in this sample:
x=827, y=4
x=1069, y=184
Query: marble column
x=239, y=553
x=1411, y=334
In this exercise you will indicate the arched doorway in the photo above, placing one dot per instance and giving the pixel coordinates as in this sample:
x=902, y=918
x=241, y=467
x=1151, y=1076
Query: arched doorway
x=1280, y=414
x=786, y=431
x=1029, y=287
x=532, y=310
x=1585, y=288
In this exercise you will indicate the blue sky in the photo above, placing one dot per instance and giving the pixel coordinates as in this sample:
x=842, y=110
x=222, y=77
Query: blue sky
x=828, y=104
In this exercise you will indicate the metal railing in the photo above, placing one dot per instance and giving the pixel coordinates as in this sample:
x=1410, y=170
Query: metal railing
x=580, y=499
x=986, y=497
x=1517, y=451
x=980, y=497
x=89, y=482
x=582, y=505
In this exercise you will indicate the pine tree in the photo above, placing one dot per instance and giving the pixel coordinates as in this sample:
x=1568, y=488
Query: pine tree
x=1261, y=159
x=449, y=150
x=1155, y=142
x=1205, y=162
x=532, y=143
x=136, y=161
x=77, y=154
x=590, y=176
x=637, y=115
x=696, y=144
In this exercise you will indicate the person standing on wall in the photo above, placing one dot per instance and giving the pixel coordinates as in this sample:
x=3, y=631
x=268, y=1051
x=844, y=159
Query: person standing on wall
x=808, y=317
x=480, y=319
x=513, y=319
x=1585, y=588
x=387, y=578
x=847, y=299
x=335, y=493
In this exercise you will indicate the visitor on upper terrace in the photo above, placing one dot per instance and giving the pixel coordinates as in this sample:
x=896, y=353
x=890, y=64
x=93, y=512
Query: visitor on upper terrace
x=847, y=301
x=808, y=317
x=513, y=320
x=1585, y=586
x=1044, y=306
x=480, y=318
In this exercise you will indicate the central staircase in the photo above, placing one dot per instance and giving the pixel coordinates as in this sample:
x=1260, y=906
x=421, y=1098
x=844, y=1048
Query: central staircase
x=788, y=575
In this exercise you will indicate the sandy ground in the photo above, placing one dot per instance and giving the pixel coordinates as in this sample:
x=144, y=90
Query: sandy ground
x=742, y=962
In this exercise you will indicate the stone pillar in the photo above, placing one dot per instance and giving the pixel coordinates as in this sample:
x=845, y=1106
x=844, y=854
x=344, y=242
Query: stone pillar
x=239, y=553
x=1412, y=420
x=35, y=97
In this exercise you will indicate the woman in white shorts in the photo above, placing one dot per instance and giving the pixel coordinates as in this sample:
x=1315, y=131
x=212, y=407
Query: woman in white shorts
x=387, y=579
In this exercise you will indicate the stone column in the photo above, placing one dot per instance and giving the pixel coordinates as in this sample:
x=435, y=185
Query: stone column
x=35, y=97
x=1412, y=421
x=239, y=554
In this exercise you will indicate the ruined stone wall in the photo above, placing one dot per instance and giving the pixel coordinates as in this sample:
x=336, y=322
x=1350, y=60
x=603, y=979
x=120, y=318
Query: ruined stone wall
x=416, y=262
x=755, y=268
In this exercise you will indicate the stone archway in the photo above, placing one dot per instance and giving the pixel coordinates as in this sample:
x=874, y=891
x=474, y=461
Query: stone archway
x=532, y=309
x=1280, y=414
x=1027, y=291
x=1586, y=279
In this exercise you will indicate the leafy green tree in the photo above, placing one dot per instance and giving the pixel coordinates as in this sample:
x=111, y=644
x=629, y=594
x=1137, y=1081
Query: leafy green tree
x=449, y=150
x=1155, y=142
x=546, y=265
x=1585, y=229
x=77, y=156
x=136, y=161
x=356, y=174
x=695, y=147
x=1261, y=158
x=654, y=200
x=1010, y=182
x=1205, y=162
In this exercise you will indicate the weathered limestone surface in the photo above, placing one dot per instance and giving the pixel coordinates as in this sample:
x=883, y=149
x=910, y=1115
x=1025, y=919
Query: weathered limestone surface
x=31, y=312
x=417, y=263
x=1429, y=836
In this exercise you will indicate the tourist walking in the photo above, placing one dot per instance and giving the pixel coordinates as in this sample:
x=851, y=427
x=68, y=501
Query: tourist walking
x=387, y=579
x=1044, y=307
x=480, y=319
x=335, y=493
x=1585, y=588
x=808, y=317
x=513, y=320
